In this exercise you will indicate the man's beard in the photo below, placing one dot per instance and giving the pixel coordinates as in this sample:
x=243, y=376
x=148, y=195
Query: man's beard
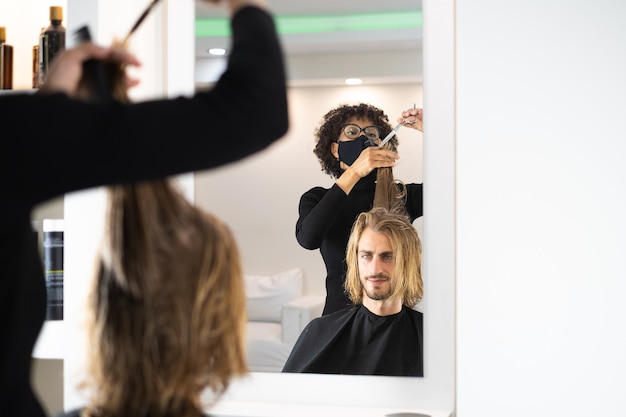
x=377, y=294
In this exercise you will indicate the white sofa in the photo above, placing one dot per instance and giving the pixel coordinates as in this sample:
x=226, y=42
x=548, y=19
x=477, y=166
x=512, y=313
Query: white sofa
x=277, y=313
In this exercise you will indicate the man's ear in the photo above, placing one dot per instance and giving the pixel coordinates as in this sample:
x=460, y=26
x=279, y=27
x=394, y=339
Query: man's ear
x=334, y=149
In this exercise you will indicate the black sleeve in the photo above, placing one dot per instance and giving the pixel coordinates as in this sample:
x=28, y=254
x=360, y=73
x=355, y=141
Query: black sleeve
x=415, y=200
x=317, y=211
x=52, y=144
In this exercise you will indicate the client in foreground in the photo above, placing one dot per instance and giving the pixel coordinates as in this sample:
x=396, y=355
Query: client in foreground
x=382, y=333
x=167, y=310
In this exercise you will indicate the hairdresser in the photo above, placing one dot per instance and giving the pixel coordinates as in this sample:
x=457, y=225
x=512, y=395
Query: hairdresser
x=111, y=143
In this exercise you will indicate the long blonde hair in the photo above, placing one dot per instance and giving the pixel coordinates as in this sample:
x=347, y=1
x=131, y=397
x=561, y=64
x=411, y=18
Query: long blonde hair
x=389, y=193
x=407, y=255
x=168, y=306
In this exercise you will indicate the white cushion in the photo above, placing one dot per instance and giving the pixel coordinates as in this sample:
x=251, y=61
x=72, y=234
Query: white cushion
x=266, y=352
x=266, y=295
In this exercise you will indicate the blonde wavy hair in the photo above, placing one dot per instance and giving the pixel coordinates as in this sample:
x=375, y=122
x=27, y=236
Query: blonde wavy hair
x=168, y=307
x=407, y=283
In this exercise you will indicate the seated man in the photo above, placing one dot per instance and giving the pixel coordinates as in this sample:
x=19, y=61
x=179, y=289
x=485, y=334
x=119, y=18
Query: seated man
x=382, y=333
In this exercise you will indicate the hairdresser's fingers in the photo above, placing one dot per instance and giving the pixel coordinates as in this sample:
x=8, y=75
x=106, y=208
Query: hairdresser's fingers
x=67, y=68
x=130, y=82
x=412, y=118
x=373, y=157
x=122, y=56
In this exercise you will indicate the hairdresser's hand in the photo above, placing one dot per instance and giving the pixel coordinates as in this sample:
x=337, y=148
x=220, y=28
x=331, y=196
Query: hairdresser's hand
x=370, y=158
x=234, y=5
x=373, y=157
x=412, y=118
x=67, y=69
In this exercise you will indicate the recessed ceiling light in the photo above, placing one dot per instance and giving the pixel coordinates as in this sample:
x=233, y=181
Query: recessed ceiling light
x=217, y=51
x=354, y=81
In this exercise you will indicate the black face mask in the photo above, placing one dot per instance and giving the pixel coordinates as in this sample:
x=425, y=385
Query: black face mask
x=350, y=150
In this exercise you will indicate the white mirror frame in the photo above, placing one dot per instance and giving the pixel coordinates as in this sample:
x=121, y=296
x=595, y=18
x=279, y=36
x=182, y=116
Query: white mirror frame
x=436, y=391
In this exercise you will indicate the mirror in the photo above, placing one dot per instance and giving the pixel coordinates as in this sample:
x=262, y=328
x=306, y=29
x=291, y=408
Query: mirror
x=436, y=390
x=387, y=57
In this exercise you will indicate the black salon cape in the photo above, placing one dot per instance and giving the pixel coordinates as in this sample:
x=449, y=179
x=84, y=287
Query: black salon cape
x=326, y=216
x=52, y=145
x=358, y=342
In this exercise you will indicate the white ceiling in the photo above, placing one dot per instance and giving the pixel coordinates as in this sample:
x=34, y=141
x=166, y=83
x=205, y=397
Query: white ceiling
x=393, y=54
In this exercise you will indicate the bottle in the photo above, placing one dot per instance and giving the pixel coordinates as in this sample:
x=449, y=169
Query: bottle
x=51, y=42
x=53, y=267
x=36, y=66
x=6, y=62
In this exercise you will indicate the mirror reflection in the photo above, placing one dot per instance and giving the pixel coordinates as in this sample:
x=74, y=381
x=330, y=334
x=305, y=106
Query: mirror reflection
x=286, y=283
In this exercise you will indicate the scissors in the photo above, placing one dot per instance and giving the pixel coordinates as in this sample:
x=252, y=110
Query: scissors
x=395, y=130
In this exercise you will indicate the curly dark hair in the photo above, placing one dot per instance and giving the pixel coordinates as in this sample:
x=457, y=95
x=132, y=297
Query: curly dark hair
x=330, y=129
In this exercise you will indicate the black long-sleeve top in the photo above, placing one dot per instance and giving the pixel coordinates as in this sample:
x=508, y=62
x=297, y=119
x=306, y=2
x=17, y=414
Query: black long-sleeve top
x=51, y=145
x=326, y=216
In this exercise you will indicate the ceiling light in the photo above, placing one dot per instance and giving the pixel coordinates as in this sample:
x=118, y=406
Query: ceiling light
x=217, y=51
x=353, y=81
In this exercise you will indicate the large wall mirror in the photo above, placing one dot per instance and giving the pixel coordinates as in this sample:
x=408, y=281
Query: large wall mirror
x=381, y=43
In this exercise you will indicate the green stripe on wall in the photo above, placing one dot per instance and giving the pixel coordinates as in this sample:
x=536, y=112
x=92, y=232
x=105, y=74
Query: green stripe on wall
x=318, y=24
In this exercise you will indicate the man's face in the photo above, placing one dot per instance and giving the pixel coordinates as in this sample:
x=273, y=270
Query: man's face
x=376, y=264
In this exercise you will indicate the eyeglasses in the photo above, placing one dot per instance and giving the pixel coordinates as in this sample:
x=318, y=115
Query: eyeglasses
x=353, y=131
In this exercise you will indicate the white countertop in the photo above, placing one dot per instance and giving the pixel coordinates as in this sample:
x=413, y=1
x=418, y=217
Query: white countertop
x=259, y=409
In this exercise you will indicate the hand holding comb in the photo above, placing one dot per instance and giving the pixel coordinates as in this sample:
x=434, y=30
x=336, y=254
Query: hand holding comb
x=99, y=80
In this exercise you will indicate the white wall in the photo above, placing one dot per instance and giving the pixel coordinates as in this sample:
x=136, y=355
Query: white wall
x=540, y=149
x=259, y=196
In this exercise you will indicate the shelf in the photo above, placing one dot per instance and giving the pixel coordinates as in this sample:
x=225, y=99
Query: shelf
x=52, y=340
x=18, y=91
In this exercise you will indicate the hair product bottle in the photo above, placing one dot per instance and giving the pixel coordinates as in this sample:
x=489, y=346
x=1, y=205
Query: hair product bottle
x=53, y=267
x=36, y=66
x=6, y=62
x=51, y=42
